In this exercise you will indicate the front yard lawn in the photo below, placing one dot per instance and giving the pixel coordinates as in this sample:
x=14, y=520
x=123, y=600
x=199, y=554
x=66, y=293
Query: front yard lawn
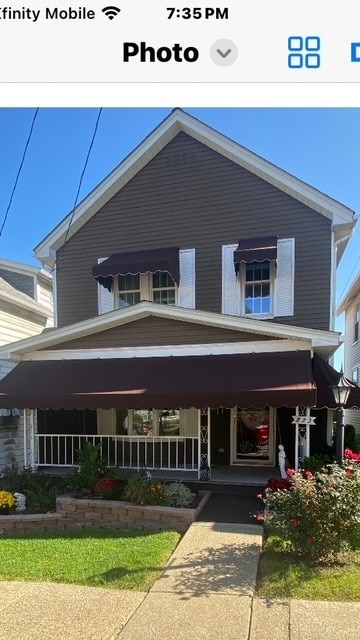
x=285, y=575
x=115, y=559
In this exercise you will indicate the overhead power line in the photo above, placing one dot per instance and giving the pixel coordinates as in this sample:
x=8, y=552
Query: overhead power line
x=82, y=176
x=19, y=171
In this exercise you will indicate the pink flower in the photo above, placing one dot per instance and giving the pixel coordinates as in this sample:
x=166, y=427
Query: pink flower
x=259, y=495
x=308, y=474
x=351, y=455
x=294, y=522
x=348, y=472
x=290, y=472
x=260, y=516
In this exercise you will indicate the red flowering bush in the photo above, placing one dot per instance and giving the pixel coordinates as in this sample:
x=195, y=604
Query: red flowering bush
x=318, y=515
x=351, y=455
x=109, y=488
x=278, y=484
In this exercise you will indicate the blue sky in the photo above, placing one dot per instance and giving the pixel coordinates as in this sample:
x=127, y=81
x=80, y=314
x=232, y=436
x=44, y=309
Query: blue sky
x=320, y=146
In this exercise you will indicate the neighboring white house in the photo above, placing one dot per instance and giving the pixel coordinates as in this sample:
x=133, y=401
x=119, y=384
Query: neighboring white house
x=26, y=309
x=350, y=305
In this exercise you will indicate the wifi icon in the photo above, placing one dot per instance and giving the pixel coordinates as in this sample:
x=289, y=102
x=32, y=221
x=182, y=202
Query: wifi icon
x=111, y=12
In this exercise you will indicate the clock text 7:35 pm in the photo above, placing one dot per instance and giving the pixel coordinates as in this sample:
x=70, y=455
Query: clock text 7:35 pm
x=198, y=13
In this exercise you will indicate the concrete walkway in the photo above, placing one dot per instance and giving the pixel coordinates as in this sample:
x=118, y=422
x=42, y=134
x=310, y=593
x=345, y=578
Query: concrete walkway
x=204, y=593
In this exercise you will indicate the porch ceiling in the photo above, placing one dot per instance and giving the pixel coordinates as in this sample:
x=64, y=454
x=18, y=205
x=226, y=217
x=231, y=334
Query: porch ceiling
x=256, y=379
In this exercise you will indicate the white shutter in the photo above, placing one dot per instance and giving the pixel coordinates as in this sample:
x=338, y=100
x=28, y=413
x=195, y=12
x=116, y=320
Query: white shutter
x=186, y=297
x=230, y=282
x=284, y=282
x=105, y=297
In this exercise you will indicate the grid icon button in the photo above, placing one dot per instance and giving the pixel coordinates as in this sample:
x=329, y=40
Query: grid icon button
x=304, y=52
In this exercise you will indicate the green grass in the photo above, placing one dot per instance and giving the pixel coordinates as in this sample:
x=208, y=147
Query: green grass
x=119, y=560
x=284, y=575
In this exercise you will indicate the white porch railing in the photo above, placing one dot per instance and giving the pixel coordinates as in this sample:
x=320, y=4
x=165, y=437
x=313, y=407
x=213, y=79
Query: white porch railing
x=133, y=452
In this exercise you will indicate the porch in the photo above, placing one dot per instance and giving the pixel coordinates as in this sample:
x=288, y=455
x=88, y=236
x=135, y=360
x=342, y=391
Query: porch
x=168, y=458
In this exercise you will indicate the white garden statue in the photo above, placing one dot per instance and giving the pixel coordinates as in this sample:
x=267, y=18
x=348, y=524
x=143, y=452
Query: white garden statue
x=20, y=502
x=282, y=459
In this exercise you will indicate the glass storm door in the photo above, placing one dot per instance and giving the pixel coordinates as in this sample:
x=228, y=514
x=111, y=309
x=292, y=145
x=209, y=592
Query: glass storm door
x=252, y=437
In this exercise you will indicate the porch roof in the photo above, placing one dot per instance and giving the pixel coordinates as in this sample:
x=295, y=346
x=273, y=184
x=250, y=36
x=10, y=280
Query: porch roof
x=326, y=376
x=255, y=379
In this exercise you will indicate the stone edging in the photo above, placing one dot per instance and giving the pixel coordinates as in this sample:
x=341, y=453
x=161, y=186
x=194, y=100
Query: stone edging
x=74, y=513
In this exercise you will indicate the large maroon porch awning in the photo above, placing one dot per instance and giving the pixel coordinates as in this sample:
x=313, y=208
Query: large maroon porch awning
x=256, y=379
x=325, y=377
x=145, y=261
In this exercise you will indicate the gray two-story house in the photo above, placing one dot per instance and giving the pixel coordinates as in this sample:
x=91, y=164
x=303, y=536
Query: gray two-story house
x=195, y=302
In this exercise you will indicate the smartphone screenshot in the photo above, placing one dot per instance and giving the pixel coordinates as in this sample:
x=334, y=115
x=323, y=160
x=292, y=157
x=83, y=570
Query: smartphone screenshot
x=179, y=318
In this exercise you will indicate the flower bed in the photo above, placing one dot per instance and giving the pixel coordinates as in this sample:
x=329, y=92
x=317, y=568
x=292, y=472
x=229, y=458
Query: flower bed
x=72, y=513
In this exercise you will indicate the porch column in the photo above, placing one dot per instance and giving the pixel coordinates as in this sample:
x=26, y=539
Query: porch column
x=29, y=439
x=204, y=472
x=302, y=420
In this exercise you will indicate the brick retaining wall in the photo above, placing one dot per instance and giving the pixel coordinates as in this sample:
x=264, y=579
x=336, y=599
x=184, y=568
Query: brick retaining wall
x=72, y=513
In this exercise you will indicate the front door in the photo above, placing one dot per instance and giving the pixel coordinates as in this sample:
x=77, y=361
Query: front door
x=220, y=436
x=252, y=436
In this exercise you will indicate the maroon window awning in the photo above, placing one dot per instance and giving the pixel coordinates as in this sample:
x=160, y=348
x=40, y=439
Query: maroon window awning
x=133, y=262
x=255, y=250
x=256, y=379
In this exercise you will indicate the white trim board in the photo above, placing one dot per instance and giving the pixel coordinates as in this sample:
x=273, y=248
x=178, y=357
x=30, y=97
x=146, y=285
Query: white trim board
x=267, y=346
x=146, y=309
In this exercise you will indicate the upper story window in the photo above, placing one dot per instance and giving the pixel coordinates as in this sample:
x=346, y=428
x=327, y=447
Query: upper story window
x=157, y=287
x=163, y=288
x=257, y=284
x=258, y=277
x=164, y=276
x=129, y=290
x=356, y=323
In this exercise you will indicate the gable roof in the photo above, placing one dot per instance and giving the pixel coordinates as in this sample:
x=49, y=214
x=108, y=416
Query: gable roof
x=178, y=121
x=352, y=293
x=25, y=269
x=10, y=295
x=326, y=341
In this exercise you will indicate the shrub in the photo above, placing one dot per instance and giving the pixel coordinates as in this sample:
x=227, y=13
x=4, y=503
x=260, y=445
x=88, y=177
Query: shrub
x=317, y=462
x=39, y=489
x=92, y=467
x=109, y=488
x=178, y=495
x=142, y=489
x=320, y=513
x=276, y=484
x=7, y=502
x=350, y=438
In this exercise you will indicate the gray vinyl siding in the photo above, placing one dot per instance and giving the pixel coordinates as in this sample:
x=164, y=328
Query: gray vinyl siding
x=352, y=416
x=352, y=348
x=158, y=331
x=191, y=196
